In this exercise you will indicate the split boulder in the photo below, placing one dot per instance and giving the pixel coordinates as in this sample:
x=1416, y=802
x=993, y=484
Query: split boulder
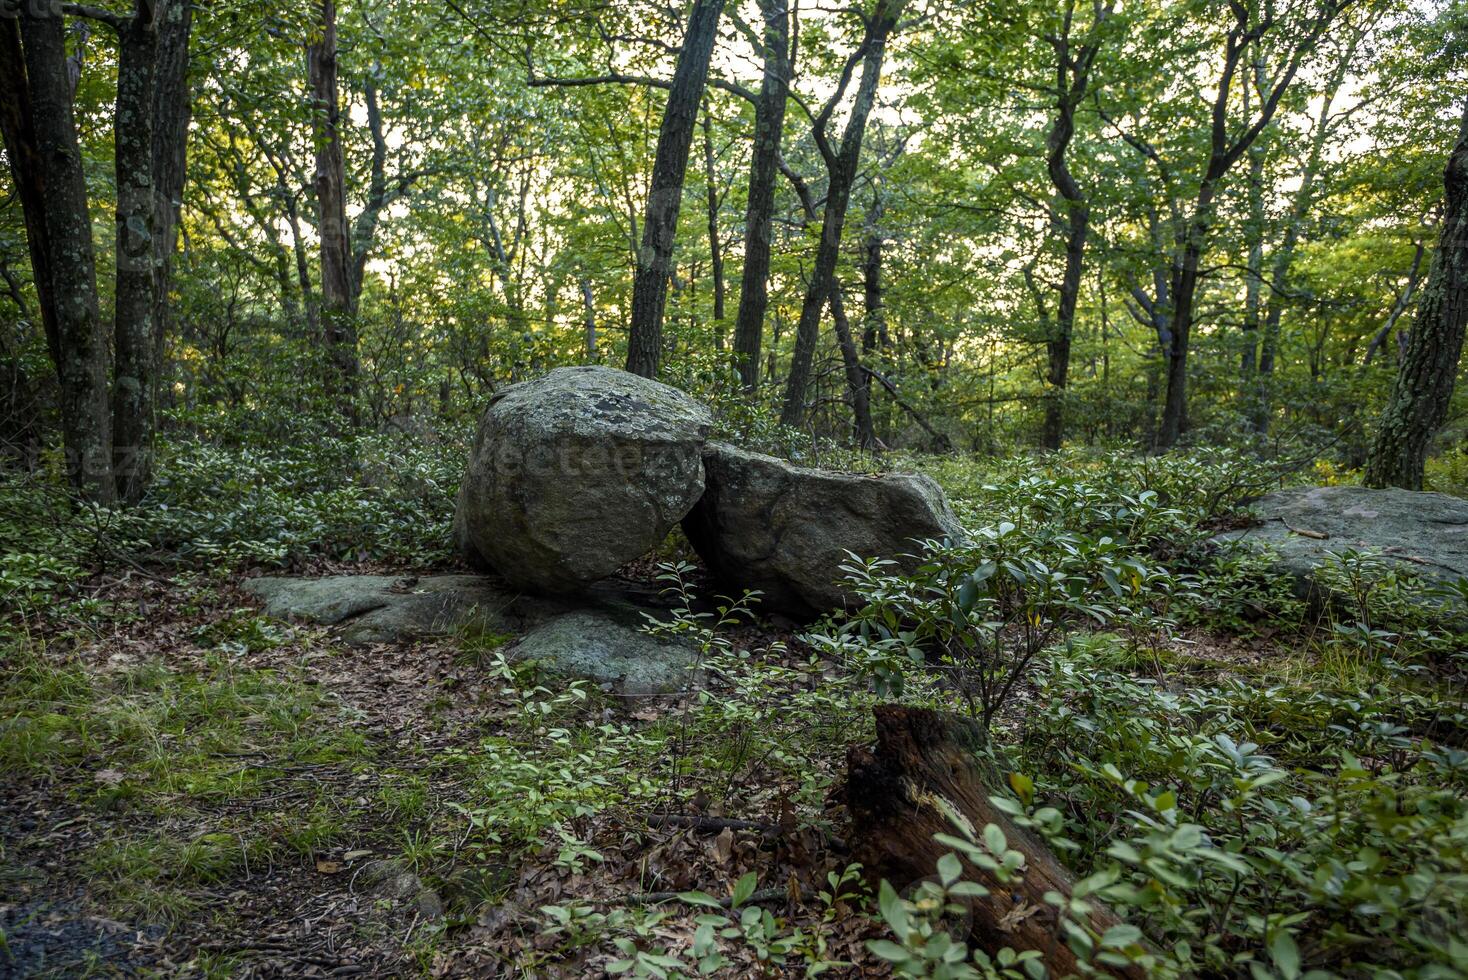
x=767, y=524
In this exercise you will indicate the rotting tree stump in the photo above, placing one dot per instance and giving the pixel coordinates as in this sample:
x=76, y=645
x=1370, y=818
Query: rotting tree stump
x=893, y=793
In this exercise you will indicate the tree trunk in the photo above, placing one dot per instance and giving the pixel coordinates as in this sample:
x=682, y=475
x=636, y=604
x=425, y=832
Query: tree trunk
x=588, y=318
x=769, y=123
x=380, y=194
x=1224, y=151
x=874, y=319
x=1184, y=292
x=27, y=173
x=716, y=255
x=78, y=347
x=1404, y=300
x=20, y=406
x=665, y=194
x=856, y=379
x=134, y=385
x=340, y=334
x=901, y=792
x=841, y=168
x=1072, y=77
x=1424, y=386
x=172, y=110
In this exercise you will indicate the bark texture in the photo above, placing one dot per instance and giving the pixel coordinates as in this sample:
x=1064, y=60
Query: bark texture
x=901, y=792
x=78, y=346
x=134, y=381
x=338, y=330
x=769, y=123
x=1424, y=386
x=665, y=194
x=172, y=110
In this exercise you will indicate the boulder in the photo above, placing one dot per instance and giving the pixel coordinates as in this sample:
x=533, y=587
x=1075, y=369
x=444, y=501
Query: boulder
x=576, y=473
x=388, y=609
x=597, y=637
x=1427, y=533
x=610, y=651
x=767, y=524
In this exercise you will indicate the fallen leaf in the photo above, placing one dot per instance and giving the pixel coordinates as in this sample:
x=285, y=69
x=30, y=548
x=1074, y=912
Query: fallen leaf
x=328, y=867
x=108, y=777
x=354, y=855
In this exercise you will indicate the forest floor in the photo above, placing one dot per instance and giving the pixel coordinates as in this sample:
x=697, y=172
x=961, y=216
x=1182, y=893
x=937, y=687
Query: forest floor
x=189, y=788
x=205, y=787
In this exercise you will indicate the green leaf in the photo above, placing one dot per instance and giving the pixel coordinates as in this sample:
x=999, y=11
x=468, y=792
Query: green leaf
x=1286, y=954
x=1121, y=935
x=700, y=898
x=743, y=888
x=892, y=909
x=950, y=869
x=888, y=950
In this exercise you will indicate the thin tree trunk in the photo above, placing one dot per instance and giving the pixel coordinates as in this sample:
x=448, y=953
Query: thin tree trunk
x=1254, y=276
x=588, y=317
x=856, y=379
x=716, y=256
x=27, y=173
x=380, y=193
x=365, y=230
x=1404, y=300
x=340, y=335
x=1424, y=386
x=665, y=194
x=769, y=122
x=134, y=385
x=842, y=168
x=1184, y=291
x=874, y=319
x=79, y=348
x=303, y=265
x=1224, y=152
x=1072, y=78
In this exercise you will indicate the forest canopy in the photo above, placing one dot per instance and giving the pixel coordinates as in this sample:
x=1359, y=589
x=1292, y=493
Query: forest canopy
x=971, y=225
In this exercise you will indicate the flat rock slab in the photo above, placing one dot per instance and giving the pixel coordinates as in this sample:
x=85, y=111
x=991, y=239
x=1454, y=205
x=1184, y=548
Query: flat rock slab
x=390, y=609
x=597, y=638
x=1427, y=533
x=600, y=648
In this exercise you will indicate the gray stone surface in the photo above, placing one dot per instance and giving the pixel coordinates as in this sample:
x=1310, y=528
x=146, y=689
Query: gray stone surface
x=1426, y=532
x=608, y=650
x=596, y=639
x=576, y=473
x=767, y=524
x=394, y=882
x=387, y=609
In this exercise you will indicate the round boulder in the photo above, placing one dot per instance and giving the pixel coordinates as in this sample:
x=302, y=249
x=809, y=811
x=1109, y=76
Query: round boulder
x=576, y=473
